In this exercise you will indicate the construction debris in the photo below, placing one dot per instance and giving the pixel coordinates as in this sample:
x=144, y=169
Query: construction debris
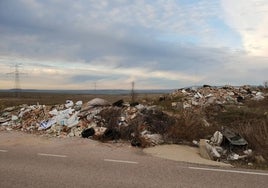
x=204, y=96
x=96, y=119
x=139, y=124
x=233, y=138
x=223, y=146
x=97, y=102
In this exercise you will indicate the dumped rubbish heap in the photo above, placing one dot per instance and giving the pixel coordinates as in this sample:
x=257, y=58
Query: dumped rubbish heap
x=98, y=119
x=224, y=145
x=204, y=96
x=145, y=125
x=212, y=105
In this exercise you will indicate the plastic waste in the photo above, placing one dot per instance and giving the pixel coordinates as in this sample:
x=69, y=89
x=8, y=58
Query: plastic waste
x=248, y=152
x=53, y=112
x=23, y=111
x=217, y=138
x=14, y=118
x=48, y=123
x=79, y=103
x=88, y=132
x=233, y=137
x=196, y=143
x=69, y=103
x=233, y=156
x=212, y=151
x=72, y=121
x=61, y=117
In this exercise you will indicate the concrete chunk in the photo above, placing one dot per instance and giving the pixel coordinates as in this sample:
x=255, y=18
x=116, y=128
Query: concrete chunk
x=203, y=149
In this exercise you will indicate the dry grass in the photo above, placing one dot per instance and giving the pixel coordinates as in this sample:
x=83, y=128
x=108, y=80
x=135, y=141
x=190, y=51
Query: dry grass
x=189, y=126
x=250, y=121
x=8, y=99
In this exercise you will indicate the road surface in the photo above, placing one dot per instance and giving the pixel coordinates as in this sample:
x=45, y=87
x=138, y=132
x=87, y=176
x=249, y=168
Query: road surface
x=35, y=161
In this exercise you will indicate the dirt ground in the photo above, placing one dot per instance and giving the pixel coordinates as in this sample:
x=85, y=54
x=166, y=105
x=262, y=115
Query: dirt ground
x=182, y=153
x=172, y=152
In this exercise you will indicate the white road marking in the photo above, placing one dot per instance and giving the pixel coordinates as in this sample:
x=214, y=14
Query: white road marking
x=230, y=171
x=2, y=150
x=51, y=155
x=120, y=161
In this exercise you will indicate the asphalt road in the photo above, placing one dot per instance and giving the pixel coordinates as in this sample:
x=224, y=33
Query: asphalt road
x=34, y=161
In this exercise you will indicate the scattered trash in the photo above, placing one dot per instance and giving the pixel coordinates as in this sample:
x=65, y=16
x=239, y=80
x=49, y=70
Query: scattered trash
x=4, y=120
x=152, y=139
x=111, y=134
x=72, y=121
x=233, y=138
x=213, y=153
x=233, y=156
x=88, y=132
x=119, y=103
x=14, y=118
x=221, y=146
x=141, y=125
x=79, y=103
x=208, y=95
x=195, y=143
x=217, y=138
x=248, y=152
x=69, y=104
x=46, y=124
x=98, y=102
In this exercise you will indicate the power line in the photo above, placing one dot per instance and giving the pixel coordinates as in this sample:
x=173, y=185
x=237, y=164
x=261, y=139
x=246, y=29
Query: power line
x=16, y=73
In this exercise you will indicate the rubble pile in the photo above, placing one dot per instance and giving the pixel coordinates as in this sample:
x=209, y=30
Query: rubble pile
x=98, y=119
x=225, y=145
x=147, y=125
x=141, y=125
x=207, y=95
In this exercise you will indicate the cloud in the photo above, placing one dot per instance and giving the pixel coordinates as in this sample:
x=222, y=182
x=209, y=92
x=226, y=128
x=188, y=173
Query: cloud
x=164, y=44
x=249, y=19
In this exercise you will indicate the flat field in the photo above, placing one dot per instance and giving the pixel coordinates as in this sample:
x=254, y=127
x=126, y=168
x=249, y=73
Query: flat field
x=8, y=99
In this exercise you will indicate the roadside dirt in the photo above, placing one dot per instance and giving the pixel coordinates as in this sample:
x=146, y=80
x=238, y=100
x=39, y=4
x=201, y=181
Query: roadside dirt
x=28, y=139
x=182, y=153
x=172, y=152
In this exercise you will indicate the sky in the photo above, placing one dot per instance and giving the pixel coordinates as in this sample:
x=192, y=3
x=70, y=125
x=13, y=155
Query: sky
x=108, y=44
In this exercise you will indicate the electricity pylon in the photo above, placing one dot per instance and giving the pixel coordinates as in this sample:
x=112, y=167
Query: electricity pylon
x=132, y=94
x=16, y=73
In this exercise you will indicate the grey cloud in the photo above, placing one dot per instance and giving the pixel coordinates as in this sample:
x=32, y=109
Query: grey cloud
x=84, y=78
x=55, y=27
x=86, y=31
